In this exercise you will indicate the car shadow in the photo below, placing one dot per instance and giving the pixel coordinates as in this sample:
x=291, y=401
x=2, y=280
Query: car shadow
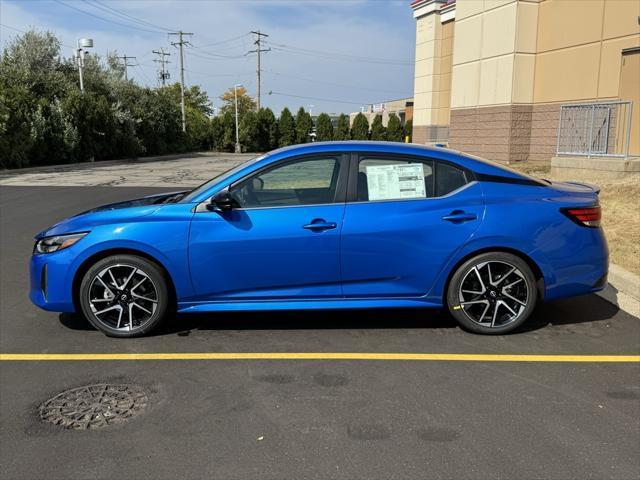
x=585, y=309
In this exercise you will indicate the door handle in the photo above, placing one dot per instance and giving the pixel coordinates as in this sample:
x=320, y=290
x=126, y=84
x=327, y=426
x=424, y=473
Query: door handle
x=459, y=216
x=319, y=225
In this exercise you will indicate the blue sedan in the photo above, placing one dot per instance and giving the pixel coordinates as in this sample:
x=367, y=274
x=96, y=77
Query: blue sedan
x=336, y=225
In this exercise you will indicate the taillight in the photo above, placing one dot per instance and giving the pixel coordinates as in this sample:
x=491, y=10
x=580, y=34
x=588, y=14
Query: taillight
x=585, y=216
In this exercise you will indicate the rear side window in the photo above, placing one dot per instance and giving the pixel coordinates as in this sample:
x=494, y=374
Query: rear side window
x=394, y=179
x=448, y=179
x=402, y=179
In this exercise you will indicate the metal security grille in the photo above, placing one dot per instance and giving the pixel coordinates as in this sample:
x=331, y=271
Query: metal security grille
x=595, y=129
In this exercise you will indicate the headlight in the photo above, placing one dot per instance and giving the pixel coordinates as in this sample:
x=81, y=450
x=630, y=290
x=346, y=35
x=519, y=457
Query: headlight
x=58, y=242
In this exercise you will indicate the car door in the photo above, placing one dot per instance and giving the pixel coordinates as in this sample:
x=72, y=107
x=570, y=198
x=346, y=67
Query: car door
x=281, y=238
x=405, y=216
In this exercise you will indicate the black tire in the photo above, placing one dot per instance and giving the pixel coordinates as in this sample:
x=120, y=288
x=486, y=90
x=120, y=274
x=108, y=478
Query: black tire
x=468, y=307
x=154, y=299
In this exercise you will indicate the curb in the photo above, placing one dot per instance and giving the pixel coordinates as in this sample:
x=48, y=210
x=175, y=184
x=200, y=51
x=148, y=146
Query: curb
x=623, y=290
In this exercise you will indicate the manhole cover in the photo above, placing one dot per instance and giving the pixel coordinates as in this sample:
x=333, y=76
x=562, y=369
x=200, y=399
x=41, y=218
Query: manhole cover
x=94, y=406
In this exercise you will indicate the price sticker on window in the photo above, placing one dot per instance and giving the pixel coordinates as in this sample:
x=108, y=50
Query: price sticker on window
x=401, y=181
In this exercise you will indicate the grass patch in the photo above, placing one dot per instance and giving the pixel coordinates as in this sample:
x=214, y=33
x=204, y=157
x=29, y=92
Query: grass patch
x=620, y=200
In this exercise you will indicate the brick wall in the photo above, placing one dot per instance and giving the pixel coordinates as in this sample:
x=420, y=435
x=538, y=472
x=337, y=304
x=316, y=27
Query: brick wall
x=508, y=133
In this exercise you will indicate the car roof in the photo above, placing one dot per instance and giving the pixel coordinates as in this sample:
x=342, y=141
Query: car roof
x=362, y=145
x=471, y=162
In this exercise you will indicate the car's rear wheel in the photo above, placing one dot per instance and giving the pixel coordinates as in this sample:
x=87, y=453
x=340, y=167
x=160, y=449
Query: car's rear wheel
x=124, y=296
x=492, y=293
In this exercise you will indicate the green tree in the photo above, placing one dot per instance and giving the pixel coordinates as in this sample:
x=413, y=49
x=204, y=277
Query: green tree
x=267, y=130
x=378, y=131
x=248, y=132
x=342, y=128
x=304, y=125
x=408, y=129
x=216, y=133
x=229, y=138
x=324, y=128
x=287, y=128
x=395, y=132
x=360, y=128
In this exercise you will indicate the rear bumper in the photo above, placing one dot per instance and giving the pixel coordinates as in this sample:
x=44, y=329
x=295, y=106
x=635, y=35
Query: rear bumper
x=50, y=285
x=582, y=269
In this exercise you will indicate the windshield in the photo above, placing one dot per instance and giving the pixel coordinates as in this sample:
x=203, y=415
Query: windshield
x=218, y=178
x=538, y=180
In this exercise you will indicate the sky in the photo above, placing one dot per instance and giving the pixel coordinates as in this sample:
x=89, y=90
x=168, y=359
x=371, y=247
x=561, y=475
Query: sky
x=336, y=55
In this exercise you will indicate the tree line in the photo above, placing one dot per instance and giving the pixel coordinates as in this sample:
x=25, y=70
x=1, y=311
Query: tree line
x=45, y=119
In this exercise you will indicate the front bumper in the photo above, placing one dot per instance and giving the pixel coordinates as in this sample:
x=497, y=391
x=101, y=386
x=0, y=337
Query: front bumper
x=51, y=286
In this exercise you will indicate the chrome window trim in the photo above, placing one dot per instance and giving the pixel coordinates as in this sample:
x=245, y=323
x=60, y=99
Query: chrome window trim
x=202, y=206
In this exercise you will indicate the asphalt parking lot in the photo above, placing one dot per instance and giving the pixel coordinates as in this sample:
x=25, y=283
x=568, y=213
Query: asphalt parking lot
x=314, y=418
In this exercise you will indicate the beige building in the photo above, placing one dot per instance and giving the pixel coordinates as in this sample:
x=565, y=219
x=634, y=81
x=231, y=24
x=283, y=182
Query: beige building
x=403, y=108
x=491, y=75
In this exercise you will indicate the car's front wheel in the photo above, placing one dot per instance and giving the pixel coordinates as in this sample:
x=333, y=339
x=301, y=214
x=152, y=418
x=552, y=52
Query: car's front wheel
x=124, y=296
x=492, y=293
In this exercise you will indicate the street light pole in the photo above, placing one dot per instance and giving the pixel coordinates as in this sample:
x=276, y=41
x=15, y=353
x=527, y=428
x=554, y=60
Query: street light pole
x=82, y=44
x=235, y=94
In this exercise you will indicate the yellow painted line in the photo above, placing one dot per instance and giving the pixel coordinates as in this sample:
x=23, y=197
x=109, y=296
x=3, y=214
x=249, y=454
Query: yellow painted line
x=442, y=357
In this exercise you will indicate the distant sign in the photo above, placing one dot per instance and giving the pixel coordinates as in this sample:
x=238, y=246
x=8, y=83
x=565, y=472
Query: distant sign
x=379, y=107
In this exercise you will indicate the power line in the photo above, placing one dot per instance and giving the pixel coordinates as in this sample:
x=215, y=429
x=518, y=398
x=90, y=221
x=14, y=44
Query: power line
x=106, y=19
x=218, y=74
x=214, y=56
x=181, y=43
x=24, y=31
x=316, y=98
x=328, y=83
x=336, y=56
x=123, y=15
x=144, y=75
x=223, y=41
x=259, y=50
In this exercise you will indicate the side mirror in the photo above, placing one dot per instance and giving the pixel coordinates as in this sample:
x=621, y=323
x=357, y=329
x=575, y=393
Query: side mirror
x=221, y=201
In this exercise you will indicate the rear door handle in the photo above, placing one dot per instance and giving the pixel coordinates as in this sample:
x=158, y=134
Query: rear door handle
x=459, y=216
x=319, y=225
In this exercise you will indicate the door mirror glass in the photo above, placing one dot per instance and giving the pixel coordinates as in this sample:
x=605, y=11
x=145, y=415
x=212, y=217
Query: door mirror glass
x=221, y=201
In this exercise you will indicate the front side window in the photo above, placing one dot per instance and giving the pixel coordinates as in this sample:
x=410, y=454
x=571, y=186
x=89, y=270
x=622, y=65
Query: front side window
x=307, y=181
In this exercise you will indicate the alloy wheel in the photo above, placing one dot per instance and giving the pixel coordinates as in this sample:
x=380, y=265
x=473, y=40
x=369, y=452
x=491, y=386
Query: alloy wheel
x=493, y=294
x=123, y=297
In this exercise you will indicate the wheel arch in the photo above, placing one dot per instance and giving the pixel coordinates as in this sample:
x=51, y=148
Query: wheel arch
x=535, y=268
x=86, y=264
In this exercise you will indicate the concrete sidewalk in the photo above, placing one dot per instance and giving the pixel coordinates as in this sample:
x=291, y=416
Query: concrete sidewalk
x=187, y=170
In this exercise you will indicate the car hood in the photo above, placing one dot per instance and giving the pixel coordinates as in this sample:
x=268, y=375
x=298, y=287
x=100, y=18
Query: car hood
x=122, y=212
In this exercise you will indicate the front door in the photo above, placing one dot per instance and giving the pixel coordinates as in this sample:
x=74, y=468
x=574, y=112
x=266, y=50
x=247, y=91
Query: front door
x=281, y=239
x=409, y=216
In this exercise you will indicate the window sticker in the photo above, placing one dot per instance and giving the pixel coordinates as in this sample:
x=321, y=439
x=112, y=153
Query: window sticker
x=395, y=181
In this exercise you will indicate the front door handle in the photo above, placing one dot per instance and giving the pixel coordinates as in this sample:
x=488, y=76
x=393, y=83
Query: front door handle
x=459, y=216
x=319, y=225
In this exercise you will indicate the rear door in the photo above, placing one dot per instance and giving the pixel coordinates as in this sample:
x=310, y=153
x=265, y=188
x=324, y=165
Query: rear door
x=404, y=218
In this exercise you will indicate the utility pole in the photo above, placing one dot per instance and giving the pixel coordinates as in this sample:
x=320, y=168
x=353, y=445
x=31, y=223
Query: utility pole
x=258, y=50
x=163, y=75
x=126, y=64
x=181, y=42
